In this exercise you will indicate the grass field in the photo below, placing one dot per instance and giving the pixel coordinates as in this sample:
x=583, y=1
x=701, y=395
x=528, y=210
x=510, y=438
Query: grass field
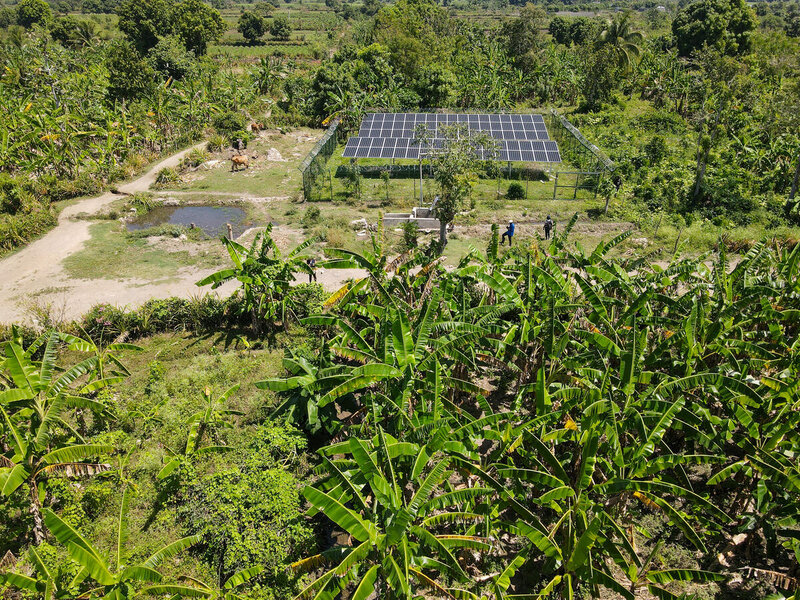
x=113, y=254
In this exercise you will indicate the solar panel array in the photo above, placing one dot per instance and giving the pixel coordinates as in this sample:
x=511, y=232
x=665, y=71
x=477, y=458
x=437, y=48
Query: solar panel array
x=520, y=138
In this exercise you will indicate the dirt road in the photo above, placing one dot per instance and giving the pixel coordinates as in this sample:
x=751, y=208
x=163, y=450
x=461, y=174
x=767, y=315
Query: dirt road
x=35, y=275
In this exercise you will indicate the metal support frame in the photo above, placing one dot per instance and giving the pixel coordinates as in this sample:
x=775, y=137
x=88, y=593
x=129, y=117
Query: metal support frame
x=580, y=182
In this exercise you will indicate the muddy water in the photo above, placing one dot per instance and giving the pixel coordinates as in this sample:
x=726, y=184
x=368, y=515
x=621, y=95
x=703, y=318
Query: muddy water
x=211, y=219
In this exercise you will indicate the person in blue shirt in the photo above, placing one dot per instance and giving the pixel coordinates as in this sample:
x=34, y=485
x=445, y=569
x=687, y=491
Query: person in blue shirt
x=509, y=233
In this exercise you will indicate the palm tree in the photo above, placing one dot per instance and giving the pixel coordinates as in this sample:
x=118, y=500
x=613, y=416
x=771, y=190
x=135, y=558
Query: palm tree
x=623, y=41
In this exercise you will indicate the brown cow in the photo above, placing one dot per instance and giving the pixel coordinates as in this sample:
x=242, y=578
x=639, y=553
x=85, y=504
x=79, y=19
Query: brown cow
x=239, y=161
x=256, y=127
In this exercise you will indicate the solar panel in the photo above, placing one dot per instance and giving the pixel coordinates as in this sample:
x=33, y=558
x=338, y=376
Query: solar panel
x=520, y=137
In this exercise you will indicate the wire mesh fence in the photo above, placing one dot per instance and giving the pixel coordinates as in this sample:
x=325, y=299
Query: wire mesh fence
x=315, y=176
x=576, y=149
x=567, y=184
x=591, y=165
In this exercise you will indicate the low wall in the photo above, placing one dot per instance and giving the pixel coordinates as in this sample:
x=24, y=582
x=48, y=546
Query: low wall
x=393, y=220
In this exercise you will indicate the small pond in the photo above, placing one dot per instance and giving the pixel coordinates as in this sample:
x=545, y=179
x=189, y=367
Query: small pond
x=211, y=219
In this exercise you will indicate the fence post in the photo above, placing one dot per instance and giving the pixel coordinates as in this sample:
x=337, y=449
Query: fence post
x=555, y=186
x=330, y=181
x=577, y=182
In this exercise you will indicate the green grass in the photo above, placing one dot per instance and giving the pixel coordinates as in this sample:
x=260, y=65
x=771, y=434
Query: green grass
x=112, y=254
x=264, y=178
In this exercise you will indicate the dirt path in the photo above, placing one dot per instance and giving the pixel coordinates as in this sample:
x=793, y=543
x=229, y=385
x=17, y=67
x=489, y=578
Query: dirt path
x=34, y=275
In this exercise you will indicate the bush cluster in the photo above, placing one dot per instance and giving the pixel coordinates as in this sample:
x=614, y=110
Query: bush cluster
x=105, y=322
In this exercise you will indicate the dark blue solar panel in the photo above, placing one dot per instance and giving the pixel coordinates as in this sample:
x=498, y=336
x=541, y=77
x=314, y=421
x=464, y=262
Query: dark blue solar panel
x=520, y=137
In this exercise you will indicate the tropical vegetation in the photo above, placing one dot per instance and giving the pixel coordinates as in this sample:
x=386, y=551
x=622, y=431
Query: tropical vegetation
x=555, y=419
x=544, y=421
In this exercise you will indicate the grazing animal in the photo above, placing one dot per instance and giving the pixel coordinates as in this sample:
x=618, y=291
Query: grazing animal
x=256, y=127
x=239, y=161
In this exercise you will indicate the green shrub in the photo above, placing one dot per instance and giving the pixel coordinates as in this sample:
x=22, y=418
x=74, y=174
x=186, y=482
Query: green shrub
x=194, y=159
x=410, y=233
x=143, y=202
x=229, y=121
x=166, y=177
x=57, y=189
x=17, y=230
x=251, y=512
x=217, y=143
x=656, y=149
x=307, y=299
x=166, y=230
x=515, y=191
x=104, y=322
x=311, y=216
x=16, y=194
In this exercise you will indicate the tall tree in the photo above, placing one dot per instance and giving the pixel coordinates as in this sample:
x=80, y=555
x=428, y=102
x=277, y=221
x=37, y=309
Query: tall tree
x=621, y=40
x=524, y=33
x=280, y=29
x=455, y=169
x=33, y=12
x=197, y=24
x=251, y=26
x=144, y=22
x=726, y=25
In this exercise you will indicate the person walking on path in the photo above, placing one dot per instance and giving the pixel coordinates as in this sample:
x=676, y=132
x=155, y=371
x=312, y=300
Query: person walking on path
x=312, y=263
x=509, y=233
x=548, y=227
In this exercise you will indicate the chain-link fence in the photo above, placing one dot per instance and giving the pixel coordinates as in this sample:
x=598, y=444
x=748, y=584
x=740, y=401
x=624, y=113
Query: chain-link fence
x=591, y=165
x=576, y=149
x=313, y=167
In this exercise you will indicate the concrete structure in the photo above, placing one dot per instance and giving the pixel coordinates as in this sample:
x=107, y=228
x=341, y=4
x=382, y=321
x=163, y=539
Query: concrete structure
x=421, y=216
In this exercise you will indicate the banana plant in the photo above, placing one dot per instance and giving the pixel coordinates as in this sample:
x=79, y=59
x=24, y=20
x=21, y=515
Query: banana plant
x=566, y=471
x=107, y=357
x=231, y=589
x=212, y=417
x=33, y=410
x=265, y=276
x=394, y=353
x=46, y=581
x=402, y=540
x=301, y=393
x=117, y=579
